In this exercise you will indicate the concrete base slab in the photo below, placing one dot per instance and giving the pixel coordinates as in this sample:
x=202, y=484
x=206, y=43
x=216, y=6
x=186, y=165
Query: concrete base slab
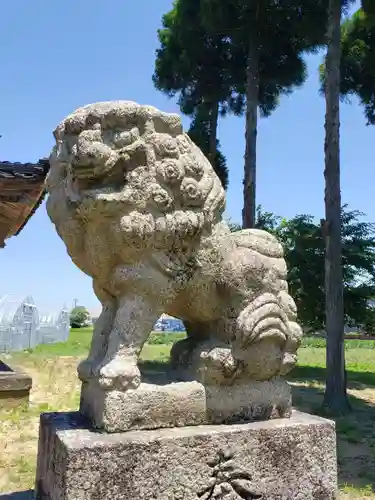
x=281, y=459
x=18, y=495
x=14, y=387
x=179, y=404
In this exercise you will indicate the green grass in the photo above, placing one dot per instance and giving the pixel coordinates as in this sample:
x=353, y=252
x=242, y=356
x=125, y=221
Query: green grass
x=360, y=357
x=77, y=345
x=80, y=338
x=360, y=365
x=79, y=342
x=349, y=343
x=165, y=338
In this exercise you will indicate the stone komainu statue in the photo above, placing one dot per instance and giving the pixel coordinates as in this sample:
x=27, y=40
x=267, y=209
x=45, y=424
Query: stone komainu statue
x=139, y=208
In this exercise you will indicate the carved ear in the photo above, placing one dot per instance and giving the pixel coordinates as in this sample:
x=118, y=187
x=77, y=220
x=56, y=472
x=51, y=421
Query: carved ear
x=71, y=187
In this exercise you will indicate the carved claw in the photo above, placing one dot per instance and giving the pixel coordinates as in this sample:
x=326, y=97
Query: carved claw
x=262, y=318
x=244, y=489
x=208, y=489
x=86, y=370
x=119, y=374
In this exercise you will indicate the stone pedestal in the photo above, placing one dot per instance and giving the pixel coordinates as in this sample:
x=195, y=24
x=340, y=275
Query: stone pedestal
x=15, y=387
x=281, y=459
x=180, y=404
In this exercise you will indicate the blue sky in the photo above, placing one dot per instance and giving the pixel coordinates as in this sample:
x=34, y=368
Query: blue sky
x=57, y=56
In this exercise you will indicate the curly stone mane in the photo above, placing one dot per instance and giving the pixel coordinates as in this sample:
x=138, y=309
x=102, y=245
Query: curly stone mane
x=138, y=157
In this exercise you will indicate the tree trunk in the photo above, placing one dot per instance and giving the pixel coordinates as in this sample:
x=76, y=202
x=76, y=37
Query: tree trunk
x=214, y=117
x=335, y=398
x=252, y=99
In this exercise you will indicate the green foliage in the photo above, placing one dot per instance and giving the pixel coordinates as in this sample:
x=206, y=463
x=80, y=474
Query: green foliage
x=358, y=59
x=79, y=317
x=190, y=63
x=196, y=67
x=304, y=251
x=199, y=132
x=234, y=226
x=165, y=338
x=267, y=221
x=282, y=31
x=203, y=56
x=320, y=342
x=267, y=41
x=359, y=269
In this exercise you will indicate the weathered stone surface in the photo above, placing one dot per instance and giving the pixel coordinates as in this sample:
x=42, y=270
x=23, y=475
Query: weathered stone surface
x=153, y=406
x=147, y=407
x=15, y=386
x=140, y=208
x=247, y=402
x=285, y=459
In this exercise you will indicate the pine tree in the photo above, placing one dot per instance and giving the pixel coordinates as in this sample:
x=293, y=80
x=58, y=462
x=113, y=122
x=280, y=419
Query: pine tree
x=268, y=41
x=196, y=67
x=358, y=58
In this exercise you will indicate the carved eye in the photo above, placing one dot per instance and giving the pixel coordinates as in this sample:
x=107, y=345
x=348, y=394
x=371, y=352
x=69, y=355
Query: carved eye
x=125, y=137
x=170, y=171
x=192, y=166
x=170, y=145
x=165, y=145
x=191, y=192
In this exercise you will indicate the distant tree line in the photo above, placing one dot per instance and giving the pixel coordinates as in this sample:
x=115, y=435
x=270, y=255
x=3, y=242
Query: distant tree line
x=79, y=317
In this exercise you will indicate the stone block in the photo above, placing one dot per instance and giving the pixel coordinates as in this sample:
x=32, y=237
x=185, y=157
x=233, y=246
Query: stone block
x=15, y=386
x=281, y=459
x=152, y=406
x=149, y=406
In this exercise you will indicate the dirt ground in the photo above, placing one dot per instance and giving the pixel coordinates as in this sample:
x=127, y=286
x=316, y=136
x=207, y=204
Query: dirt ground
x=355, y=438
x=55, y=387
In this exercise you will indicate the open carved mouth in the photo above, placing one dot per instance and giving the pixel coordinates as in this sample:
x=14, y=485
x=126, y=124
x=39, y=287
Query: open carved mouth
x=83, y=171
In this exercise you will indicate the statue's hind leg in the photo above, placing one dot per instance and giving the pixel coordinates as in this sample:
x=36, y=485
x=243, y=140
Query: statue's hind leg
x=205, y=355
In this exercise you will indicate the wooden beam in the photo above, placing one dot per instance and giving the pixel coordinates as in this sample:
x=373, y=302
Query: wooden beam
x=21, y=191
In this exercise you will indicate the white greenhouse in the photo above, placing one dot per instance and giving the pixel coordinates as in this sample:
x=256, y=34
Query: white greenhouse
x=54, y=327
x=19, y=321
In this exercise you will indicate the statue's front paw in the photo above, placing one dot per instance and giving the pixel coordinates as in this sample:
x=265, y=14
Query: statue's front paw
x=86, y=370
x=262, y=319
x=119, y=373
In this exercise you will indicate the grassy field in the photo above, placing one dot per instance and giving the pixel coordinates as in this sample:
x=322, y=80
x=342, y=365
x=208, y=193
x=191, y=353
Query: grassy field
x=56, y=388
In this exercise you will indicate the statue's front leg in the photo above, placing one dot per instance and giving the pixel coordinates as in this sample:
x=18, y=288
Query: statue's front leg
x=132, y=325
x=102, y=328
